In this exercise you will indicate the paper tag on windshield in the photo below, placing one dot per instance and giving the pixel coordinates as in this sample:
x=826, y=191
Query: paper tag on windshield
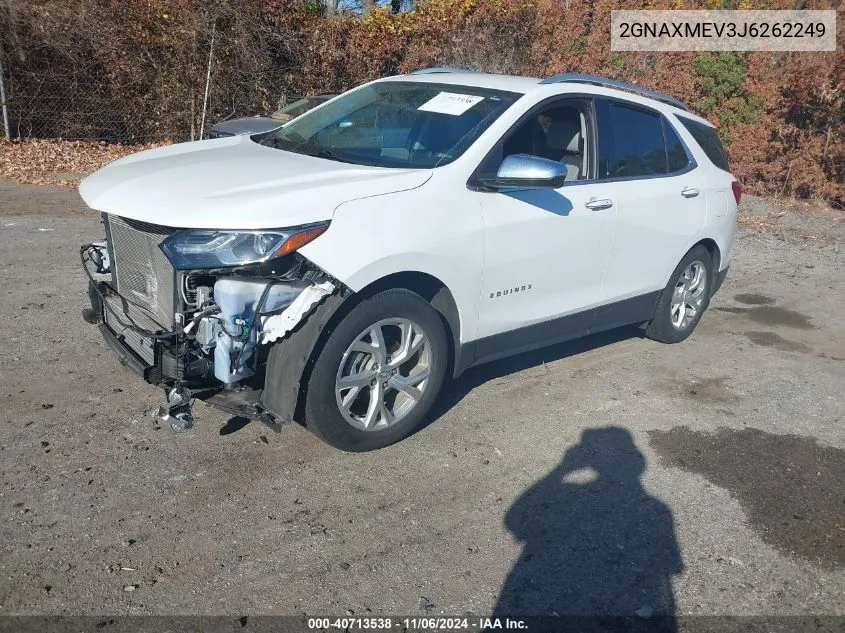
x=450, y=103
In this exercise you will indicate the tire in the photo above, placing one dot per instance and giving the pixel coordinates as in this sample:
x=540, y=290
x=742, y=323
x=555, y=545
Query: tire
x=666, y=326
x=349, y=417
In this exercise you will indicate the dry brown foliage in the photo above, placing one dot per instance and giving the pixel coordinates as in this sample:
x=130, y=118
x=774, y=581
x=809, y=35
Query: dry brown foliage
x=137, y=68
x=57, y=162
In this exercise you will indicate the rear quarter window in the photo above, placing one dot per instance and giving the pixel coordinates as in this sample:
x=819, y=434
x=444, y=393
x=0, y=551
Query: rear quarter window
x=708, y=139
x=676, y=155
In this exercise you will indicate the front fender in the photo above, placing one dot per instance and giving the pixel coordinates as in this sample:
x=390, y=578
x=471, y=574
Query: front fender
x=434, y=229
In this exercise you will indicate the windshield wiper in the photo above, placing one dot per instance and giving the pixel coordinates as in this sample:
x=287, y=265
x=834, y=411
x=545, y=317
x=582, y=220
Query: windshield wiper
x=307, y=148
x=330, y=155
x=291, y=141
x=282, y=143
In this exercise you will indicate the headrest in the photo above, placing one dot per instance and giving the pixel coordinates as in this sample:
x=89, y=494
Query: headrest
x=565, y=135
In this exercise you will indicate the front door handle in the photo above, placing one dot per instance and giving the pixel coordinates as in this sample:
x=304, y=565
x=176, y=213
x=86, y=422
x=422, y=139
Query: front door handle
x=689, y=192
x=598, y=205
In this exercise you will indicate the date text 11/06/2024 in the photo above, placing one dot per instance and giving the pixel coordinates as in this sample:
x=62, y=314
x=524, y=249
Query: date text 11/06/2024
x=417, y=624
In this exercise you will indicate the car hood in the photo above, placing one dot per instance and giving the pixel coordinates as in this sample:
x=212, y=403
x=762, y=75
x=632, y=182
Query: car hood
x=235, y=183
x=248, y=125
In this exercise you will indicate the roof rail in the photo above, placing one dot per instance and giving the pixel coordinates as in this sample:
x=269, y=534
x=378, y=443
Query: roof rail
x=440, y=69
x=613, y=83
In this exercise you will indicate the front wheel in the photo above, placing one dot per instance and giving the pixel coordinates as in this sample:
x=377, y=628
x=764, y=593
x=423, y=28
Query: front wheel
x=684, y=299
x=378, y=374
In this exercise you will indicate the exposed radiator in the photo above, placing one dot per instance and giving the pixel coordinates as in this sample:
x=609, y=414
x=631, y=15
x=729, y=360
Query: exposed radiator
x=142, y=274
x=141, y=345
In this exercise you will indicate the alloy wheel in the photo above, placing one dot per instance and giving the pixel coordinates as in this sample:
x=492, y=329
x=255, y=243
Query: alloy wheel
x=688, y=295
x=383, y=374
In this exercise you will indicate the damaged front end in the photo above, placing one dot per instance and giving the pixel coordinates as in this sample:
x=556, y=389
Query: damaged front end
x=196, y=311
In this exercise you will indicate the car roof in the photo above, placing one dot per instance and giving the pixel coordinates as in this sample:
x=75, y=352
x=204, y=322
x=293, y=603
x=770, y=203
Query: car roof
x=524, y=85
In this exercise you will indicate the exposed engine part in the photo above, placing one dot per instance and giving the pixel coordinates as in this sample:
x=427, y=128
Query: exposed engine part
x=199, y=368
x=198, y=316
x=191, y=284
x=203, y=294
x=205, y=332
x=241, y=301
x=215, y=340
x=182, y=362
x=176, y=410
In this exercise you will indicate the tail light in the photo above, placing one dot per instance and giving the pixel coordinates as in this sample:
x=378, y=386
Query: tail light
x=737, y=189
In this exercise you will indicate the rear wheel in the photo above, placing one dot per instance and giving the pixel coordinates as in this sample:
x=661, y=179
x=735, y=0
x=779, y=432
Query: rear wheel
x=684, y=300
x=378, y=374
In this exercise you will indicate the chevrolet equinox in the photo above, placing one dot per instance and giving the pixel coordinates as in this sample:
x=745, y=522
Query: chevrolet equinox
x=336, y=270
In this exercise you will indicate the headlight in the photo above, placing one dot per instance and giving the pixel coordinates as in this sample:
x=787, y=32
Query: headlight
x=210, y=248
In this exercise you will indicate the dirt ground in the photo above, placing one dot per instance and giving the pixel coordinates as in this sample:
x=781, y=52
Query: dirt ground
x=613, y=474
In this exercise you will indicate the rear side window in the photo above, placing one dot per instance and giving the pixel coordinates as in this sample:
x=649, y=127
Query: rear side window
x=708, y=138
x=636, y=143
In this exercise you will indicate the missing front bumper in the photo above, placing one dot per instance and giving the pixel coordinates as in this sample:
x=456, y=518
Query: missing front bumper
x=183, y=357
x=244, y=402
x=124, y=354
x=158, y=360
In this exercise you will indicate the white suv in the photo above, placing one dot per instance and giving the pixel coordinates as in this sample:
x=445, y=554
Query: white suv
x=338, y=269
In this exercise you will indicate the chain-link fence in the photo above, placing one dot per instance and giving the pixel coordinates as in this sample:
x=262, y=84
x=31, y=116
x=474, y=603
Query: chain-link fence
x=82, y=105
x=45, y=105
x=156, y=71
x=68, y=74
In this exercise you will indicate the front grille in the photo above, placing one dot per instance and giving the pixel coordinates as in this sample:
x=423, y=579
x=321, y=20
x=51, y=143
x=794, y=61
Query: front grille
x=142, y=274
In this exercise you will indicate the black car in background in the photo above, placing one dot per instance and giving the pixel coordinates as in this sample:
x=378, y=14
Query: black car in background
x=265, y=123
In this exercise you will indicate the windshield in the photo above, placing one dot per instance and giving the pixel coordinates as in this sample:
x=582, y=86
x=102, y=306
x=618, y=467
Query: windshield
x=395, y=124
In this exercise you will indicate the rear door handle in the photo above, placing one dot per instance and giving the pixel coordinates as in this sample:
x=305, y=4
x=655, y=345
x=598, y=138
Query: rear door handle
x=598, y=205
x=689, y=192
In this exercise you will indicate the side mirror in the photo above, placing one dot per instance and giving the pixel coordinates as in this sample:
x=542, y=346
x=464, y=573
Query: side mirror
x=523, y=171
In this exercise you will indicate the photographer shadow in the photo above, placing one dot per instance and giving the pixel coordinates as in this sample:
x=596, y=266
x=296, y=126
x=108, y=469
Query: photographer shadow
x=597, y=546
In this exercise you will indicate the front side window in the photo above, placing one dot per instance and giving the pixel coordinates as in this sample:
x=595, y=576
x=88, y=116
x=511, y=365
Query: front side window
x=395, y=124
x=557, y=131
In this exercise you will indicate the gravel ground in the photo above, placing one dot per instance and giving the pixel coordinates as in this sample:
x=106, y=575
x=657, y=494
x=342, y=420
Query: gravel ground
x=614, y=474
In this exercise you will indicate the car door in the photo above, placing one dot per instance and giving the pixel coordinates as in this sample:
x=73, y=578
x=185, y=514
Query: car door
x=544, y=249
x=660, y=200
